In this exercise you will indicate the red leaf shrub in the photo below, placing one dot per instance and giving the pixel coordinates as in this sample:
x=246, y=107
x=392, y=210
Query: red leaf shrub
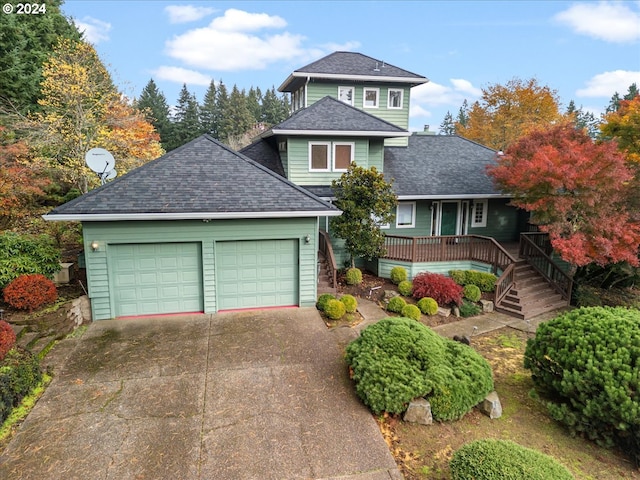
x=442, y=289
x=7, y=338
x=29, y=292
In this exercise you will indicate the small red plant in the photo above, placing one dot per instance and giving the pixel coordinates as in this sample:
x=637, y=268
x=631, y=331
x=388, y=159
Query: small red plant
x=29, y=292
x=7, y=338
x=442, y=289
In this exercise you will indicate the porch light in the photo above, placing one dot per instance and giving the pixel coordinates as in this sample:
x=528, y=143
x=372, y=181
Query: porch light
x=94, y=245
x=307, y=239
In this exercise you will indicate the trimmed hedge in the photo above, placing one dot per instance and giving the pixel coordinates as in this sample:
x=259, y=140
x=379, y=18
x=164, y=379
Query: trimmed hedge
x=398, y=359
x=411, y=311
x=585, y=364
x=353, y=276
x=428, y=306
x=335, y=309
x=396, y=304
x=442, y=289
x=350, y=303
x=30, y=292
x=398, y=274
x=471, y=292
x=405, y=288
x=486, y=282
x=19, y=374
x=323, y=299
x=493, y=459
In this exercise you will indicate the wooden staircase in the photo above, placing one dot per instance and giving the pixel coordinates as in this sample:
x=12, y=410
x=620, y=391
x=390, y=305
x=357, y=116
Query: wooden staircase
x=324, y=276
x=530, y=295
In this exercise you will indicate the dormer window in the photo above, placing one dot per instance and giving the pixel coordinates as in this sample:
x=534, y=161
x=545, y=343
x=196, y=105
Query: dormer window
x=395, y=98
x=345, y=94
x=371, y=97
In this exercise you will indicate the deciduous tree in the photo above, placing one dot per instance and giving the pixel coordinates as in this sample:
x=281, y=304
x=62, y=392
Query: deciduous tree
x=577, y=191
x=623, y=125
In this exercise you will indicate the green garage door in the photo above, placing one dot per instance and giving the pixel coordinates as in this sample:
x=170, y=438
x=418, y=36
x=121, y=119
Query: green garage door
x=157, y=278
x=261, y=273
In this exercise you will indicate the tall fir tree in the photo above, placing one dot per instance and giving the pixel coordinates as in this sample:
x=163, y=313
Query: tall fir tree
x=153, y=104
x=463, y=114
x=209, y=111
x=222, y=103
x=236, y=118
x=614, y=103
x=254, y=103
x=274, y=109
x=583, y=120
x=447, y=127
x=186, y=124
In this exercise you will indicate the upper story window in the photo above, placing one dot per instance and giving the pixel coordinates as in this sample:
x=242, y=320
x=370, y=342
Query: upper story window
x=406, y=215
x=319, y=156
x=371, y=97
x=479, y=213
x=395, y=98
x=346, y=94
x=342, y=156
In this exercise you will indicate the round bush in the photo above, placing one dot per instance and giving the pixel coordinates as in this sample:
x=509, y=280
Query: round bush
x=335, y=309
x=493, y=459
x=398, y=274
x=405, y=288
x=468, y=309
x=471, y=293
x=442, y=289
x=353, y=276
x=428, y=306
x=396, y=304
x=7, y=338
x=398, y=359
x=321, y=304
x=585, y=363
x=411, y=311
x=350, y=303
x=29, y=292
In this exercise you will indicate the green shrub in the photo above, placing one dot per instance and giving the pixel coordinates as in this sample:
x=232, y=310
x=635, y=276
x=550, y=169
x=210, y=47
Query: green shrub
x=405, y=288
x=471, y=292
x=397, y=359
x=585, y=364
x=321, y=304
x=335, y=309
x=485, y=281
x=26, y=255
x=398, y=274
x=350, y=303
x=396, y=304
x=19, y=374
x=411, y=311
x=493, y=459
x=459, y=276
x=353, y=276
x=428, y=306
x=468, y=309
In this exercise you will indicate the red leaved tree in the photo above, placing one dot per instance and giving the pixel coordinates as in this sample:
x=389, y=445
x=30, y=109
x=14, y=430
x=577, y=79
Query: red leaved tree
x=576, y=190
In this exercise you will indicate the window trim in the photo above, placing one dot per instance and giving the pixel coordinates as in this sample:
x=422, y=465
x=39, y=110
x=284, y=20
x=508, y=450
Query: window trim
x=381, y=226
x=364, y=97
x=329, y=151
x=389, y=106
x=333, y=154
x=413, y=215
x=483, y=221
x=353, y=94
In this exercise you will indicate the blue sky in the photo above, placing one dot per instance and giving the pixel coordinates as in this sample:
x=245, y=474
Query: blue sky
x=585, y=50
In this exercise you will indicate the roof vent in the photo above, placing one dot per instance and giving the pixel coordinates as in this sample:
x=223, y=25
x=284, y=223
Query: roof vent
x=377, y=69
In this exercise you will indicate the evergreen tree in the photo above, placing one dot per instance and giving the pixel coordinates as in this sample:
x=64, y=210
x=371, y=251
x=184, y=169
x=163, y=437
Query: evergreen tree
x=254, y=103
x=236, y=118
x=153, y=104
x=222, y=103
x=274, y=109
x=447, y=127
x=584, y=120
x=463, y=114
x=614, y=103
x=209, y=111
x=186, y=125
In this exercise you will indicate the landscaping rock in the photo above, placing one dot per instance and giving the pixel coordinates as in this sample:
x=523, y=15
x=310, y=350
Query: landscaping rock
x=487, y=306
x=80, y=311
x=444, y=312
x=419, y=411
x=389, y=294
x=491, y=406
x=456, y=312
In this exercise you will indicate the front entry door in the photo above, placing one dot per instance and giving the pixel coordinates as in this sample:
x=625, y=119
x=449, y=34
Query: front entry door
x=449, y=218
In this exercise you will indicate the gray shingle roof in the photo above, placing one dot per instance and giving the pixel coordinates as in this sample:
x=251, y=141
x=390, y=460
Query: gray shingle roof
x=201, y=177
x=351, y=64
x=331, y=115
x=440, y=166
x=265, y=152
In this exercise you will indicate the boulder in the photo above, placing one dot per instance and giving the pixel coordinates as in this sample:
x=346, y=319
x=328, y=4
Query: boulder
x=491, y=405
x=419, y=411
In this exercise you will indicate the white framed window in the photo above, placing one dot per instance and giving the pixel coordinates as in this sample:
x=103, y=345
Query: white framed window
x=342, y=155
x=479, y=213
x=346, y=94
x=377, y=221
x=370, y=97
x=395, y=98
x=319, y=156
x=406, y=215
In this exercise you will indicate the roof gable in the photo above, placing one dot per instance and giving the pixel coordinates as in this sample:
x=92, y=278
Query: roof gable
x=202, y=179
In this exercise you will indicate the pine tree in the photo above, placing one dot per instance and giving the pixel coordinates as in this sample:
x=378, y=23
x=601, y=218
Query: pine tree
x=254, y=103
x=583, y=120
x=153, y=104
x=447, y=127
x=236, y=118
x=463, y=114
x=222, y=103
x=209, y=111
x=186, y=125
x=274, y=109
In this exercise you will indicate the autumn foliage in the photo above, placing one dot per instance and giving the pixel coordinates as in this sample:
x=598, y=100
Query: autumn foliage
x=576, y=190
x=29, y=292
x=442, y=289
x=624, y=126
x=7, y=339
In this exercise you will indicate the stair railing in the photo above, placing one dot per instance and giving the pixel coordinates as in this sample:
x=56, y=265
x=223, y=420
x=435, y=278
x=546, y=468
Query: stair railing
x=544, y=264
x=324, y=246
x=504, y=283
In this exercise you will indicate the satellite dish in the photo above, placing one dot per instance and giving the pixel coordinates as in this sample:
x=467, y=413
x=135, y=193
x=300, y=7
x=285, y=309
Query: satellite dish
x=99, y=160
x=110, y=175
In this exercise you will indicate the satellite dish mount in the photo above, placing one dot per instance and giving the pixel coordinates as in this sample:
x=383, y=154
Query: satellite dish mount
x=102, y=162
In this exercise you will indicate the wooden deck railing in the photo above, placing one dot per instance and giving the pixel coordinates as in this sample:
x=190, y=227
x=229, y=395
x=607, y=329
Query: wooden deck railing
x=324, y=246
x=448, y=248
x=535, y=249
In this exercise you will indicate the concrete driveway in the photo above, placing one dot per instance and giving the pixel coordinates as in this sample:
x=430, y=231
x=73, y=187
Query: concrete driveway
x=249, y=395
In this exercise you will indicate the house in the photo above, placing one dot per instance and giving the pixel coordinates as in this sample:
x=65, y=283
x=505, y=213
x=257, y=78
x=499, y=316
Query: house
x=205, y=228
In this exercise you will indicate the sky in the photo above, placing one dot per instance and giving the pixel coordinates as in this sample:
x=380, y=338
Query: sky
x=584, y=50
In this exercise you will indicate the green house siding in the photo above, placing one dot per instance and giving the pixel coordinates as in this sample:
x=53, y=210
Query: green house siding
x=384, y=267
x=207, y=236
x=502, y=222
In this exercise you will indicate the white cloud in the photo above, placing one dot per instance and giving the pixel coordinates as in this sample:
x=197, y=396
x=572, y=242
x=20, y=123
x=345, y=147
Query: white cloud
x=433, y=94
x=95, y=31
x=609, y=21
x=226, y=45
x=607, y=83
x=187, y=13
x=181, y=75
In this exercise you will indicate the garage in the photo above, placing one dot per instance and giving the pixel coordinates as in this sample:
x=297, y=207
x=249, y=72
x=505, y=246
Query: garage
x=258, y=273
x=156, y=278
